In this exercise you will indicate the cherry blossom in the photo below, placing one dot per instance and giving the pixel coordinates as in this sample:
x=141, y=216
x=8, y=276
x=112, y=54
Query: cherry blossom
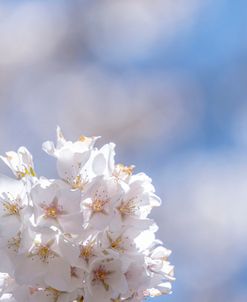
x=83, y=237
x=20, y=162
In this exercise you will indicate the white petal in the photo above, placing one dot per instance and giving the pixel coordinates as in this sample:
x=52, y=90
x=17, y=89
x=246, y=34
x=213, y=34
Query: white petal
x=58, y=275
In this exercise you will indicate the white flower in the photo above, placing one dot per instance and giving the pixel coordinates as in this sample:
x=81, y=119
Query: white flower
x=21, y=163
x=84, y=237
x=106, y=278
x=61, y=275
x=13, y=209
x=137, y=277
x=32, y=263
x=80, y=252
x=71, y=156
x=55, y=204
x=99, y=200
x=135, y=205
x=120, y=242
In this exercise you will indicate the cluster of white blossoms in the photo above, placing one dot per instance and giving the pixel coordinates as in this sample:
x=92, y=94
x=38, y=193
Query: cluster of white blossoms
x=83, y=237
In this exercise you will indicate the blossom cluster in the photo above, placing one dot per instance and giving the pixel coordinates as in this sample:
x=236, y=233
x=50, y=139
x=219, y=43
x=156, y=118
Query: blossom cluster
x=85, y=236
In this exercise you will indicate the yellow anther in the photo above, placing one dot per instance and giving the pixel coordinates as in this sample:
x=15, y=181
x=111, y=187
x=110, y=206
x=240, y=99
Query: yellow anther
x=116, y=243
x=51, y=212
x=98, y=205
x=14, y=243
x=78, y=183
x=11, y=208
x=82, y=138
x=101, y=275
x=127, y=208
x=85, y=139
x=32, y=172
x=27, y=172
x=43, y=251
x=86, y=251
x=125, y=169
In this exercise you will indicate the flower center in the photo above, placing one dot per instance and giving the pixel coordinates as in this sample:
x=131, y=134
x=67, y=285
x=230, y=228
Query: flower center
x=84, y=139
x=79, y=183
x=127, y=208
x=51, y=212
x=101, y=275
x=43, y=252
x=86, y=251
x=98, y=205
x=11, y=208
x=14, y=243
x=115, y=244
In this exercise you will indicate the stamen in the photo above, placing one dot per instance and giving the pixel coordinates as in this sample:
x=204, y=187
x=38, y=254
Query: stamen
x=27, y=172
x=98, y=205
x=123, y=171
x=127, y=208
x=79, y=183
x=43, y=252
x=126, y=169
x=115, y=244
x=85, y=139
x=99, y=201
x=14, y=243
x=101, y=275
x=87, y=251
x=82, y=138
x=12, y=208
x=53, y=210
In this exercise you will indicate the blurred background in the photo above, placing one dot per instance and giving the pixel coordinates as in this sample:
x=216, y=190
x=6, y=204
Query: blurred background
x=166, y=81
